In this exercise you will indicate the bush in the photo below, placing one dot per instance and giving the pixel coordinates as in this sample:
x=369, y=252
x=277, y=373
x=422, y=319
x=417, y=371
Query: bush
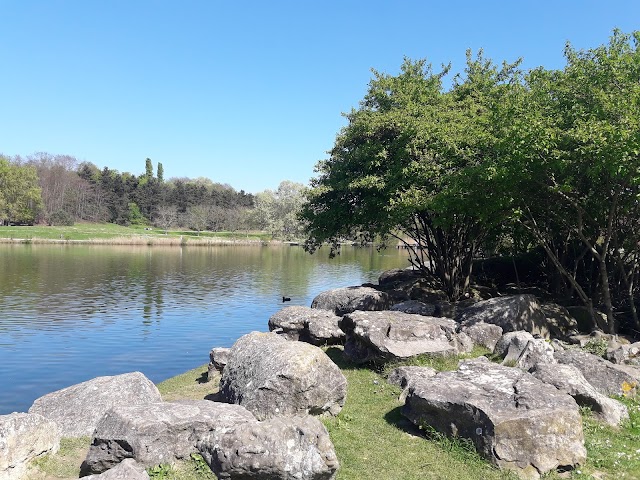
x=61, y=218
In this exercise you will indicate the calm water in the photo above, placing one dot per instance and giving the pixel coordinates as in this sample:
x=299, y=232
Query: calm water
x=71, y=313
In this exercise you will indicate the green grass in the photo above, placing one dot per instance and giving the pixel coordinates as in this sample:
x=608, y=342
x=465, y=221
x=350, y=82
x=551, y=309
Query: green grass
x=373, y=439
x=65, y=463
x=119, y=234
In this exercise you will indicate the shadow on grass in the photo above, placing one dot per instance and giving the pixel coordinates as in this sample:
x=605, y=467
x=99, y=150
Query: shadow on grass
x=394, y=417
x=336, y=354
x=203, y=378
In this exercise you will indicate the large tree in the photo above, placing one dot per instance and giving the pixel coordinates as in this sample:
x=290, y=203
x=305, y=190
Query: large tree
x=571, y=163
x=407, y=166
x=20, y=194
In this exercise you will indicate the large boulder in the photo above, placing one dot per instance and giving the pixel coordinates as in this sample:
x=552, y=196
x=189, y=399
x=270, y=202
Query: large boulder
x=512, y=344
x=568, y=379
x=157, y=433
x=535, y=352
x=404, y=377
x=414, y=306
x=23, y=437
x=514, y=420
x=483, y=334
x=559, y=321
x=77, y=409
x=128, y=469
x=349, y=299
x=511, y=313
x=387, y=335
x=271, y=376
x=606, y=377
x=311, y=325
x=293, y=448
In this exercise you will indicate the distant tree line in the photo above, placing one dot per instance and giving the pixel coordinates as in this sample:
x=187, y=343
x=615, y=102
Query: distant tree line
x=60, y=190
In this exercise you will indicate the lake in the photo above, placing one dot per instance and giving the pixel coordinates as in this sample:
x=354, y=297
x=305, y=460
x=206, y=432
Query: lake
x=72, y=313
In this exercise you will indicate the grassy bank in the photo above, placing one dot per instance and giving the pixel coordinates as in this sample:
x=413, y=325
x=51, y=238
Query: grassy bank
x=109, y=233
x=373, y=440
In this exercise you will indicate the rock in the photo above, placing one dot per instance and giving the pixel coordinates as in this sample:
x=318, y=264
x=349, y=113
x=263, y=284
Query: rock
x=23, y=437
x=271, y=376
x=568, y=379
x=382, y=336
x=512, y=344
x=514, y=420
x=596, y=339
x=77, y=409
x=404, y=377
x=311, y=325
x=626, y=353
x=512, y=313
x=398, y=276
x=128, y=469
x=279, y=448
x=350, y=299
x=606, y=377
x=535, y=352
x=218, y=358
x=157, y=433
x=414, y=307
x=483, y=334
x=559, y=321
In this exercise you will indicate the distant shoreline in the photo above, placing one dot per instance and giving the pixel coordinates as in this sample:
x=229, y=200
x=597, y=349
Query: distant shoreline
x=143, y=241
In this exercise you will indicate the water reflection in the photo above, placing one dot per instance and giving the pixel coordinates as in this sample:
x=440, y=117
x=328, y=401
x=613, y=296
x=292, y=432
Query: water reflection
x=70, y=313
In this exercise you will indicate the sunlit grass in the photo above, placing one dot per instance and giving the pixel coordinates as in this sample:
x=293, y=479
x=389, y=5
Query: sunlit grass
x=109, y=233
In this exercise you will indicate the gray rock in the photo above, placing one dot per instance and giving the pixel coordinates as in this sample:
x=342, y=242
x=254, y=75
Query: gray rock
x=311, y=325
x=568, y=379
x=414, y=307
x=535, y=352
x=512, y=313
x=279, y=448
x=128, y=469
x=484, y=334
x=606, y=377
x=625, y=353
x=514, y=420
x=157, y=433
x=386, y=335
x=512, y=344
x=218, y=358
x=404, y=377
x=77, y=409
x=350, y=299
x=559, y=321
x=398, y=276
x=271, y=376
x=23, y=437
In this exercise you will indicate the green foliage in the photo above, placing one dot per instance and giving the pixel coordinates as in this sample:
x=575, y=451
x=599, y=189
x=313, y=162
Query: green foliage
x=135, y=216
x=160, y=472
x=411, y=164
x=61, y=218
x=20, y=194
x=278, y=211
x=597, y=346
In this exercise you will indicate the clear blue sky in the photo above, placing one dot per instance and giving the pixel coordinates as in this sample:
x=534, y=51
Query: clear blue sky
x=247, y=93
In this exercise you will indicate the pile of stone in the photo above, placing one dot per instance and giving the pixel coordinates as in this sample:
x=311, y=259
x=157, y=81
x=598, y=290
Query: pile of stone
x=521, y=414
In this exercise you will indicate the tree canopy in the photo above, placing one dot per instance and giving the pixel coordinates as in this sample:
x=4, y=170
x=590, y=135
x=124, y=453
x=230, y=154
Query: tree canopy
x=546, y=158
